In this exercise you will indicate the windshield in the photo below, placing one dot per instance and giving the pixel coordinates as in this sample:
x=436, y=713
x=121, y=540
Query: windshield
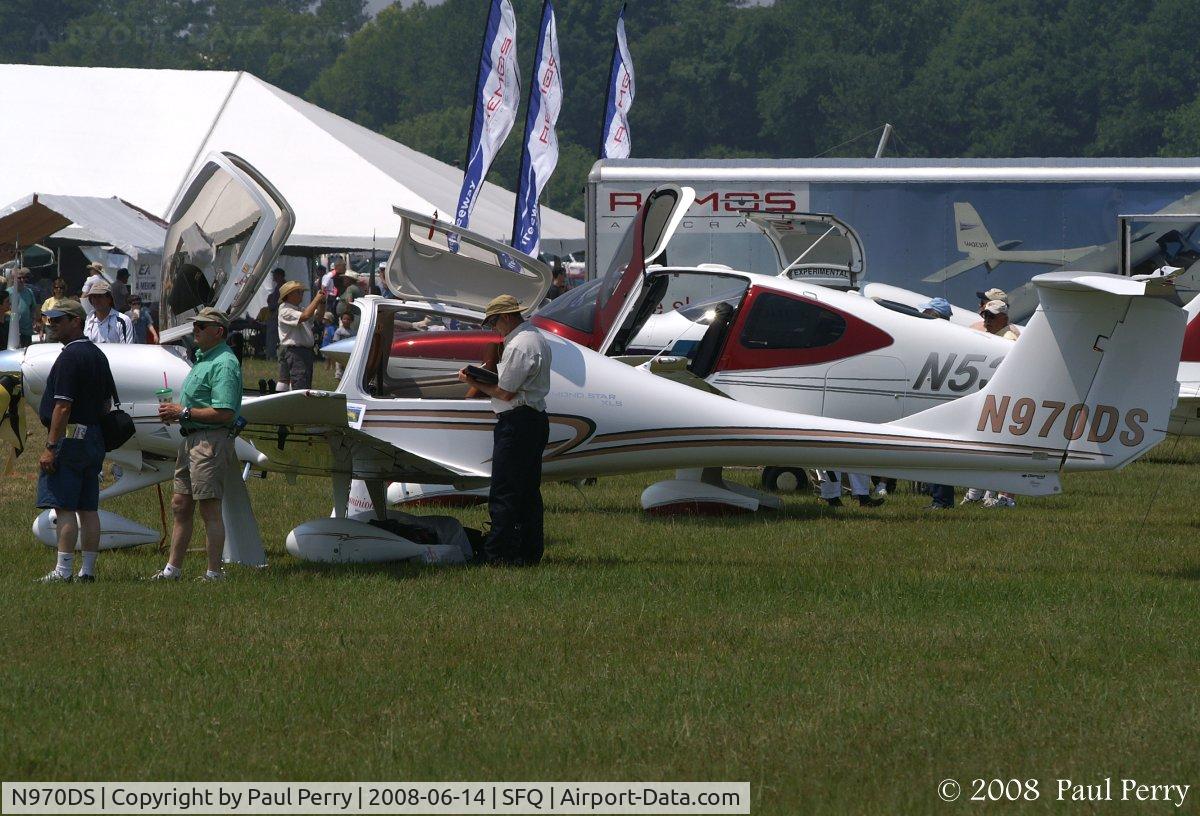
x=575, y=308
x=700, y=310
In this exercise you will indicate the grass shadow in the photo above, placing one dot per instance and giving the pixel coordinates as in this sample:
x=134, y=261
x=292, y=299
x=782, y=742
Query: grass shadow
x=1191, y=573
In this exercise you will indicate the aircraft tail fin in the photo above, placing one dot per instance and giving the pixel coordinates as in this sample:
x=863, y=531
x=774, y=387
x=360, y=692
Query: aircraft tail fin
x=970, y=233
x=1081, y=388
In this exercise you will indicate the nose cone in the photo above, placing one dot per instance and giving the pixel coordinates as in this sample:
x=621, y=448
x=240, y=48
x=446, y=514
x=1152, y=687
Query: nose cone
x=39, y=359
x=340, y=351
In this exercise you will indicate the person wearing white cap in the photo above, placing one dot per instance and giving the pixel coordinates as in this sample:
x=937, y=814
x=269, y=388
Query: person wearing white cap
x=105, y=324
x=995, y=321
x=381, y=279
x=519, y=438
x=97, y=276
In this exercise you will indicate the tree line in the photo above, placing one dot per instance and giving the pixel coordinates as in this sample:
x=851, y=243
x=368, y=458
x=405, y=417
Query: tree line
x=715, y=78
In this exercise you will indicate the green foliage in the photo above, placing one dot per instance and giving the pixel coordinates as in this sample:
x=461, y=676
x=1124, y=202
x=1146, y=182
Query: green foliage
x=795, y=78
x=286, y=43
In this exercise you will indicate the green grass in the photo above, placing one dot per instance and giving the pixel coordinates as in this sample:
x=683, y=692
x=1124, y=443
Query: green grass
x=840, y=661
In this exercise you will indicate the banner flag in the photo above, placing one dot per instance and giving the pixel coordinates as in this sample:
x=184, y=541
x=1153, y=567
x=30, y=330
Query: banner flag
x=540, y=155
x=614, y=141
x=497, y=96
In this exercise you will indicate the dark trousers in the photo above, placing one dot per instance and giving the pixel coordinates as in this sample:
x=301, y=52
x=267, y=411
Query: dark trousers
x=942, y=495
x=515, y=499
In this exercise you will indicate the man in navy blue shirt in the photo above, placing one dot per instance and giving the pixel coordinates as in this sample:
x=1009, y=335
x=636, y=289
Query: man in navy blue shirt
x=79, y=391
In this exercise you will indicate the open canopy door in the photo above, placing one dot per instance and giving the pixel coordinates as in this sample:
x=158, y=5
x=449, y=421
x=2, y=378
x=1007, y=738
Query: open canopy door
x=227, y=229
x=440, y=263
x=814, y=247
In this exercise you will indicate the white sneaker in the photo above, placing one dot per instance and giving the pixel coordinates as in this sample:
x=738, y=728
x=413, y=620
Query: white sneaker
x=1001, y=502
x=210, y=577
x=968, y=500
x=54, y=577
x=161, y=575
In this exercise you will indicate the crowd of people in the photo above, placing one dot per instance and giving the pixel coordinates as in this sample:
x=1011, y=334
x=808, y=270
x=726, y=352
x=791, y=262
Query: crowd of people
x=113, y=312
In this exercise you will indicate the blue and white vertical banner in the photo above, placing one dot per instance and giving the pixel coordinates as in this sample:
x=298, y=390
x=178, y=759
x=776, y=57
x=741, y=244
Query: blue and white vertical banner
x=540, y=156
x=497, y=96
x=615, y=138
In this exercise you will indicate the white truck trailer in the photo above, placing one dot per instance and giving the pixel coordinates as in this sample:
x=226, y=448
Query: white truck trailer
x=948, y=227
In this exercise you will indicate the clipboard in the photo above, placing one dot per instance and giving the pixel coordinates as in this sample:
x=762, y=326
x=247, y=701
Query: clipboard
x=483, y=375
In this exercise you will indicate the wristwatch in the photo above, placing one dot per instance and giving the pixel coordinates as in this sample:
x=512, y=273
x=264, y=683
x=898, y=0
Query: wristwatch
x=185, y=414
x=52, y=446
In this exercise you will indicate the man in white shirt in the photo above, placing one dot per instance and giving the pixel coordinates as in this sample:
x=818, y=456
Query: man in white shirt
x=296, y=337
x=105, y=324
x=96, y=269
x=519, y=438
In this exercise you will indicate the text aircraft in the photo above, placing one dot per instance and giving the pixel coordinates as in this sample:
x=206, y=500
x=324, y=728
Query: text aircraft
x=1074, y=394
x=776, y=341
x=1159, y=243
x=790, y=342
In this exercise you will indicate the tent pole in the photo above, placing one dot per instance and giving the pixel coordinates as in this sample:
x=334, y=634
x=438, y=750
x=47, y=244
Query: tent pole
x=371, y=285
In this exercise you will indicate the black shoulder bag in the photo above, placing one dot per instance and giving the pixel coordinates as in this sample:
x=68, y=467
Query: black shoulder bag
x=116, y=426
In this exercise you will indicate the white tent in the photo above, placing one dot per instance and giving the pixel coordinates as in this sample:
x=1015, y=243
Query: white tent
x=140, y=134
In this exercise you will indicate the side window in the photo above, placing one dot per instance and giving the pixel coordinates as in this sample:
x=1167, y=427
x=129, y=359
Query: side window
x=779, y=322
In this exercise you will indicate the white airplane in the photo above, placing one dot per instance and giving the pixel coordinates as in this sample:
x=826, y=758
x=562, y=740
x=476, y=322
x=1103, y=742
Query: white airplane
x=788, y=342
x=1074, y=394
x=770, y=341
x=799, y=341
x=1174, y=243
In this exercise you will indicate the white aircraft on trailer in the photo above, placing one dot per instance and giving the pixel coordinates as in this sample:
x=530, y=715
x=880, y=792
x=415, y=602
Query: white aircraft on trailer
x=1074, y=394
x=1169, y=236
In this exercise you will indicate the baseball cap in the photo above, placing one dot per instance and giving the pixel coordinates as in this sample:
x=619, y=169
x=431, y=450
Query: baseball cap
x=993, y=294
x=502, y=304
x=96, y=266
x=100, y=288
x=939, y=305
x=64, y=308
x=996, y=307
x=210, y=315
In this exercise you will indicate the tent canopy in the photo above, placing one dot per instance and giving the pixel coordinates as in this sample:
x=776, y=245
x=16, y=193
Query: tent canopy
x=35, y=217
x=140, y=134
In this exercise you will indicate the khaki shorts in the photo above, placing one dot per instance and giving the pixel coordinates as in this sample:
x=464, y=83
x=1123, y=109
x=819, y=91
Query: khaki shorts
x=203, y=460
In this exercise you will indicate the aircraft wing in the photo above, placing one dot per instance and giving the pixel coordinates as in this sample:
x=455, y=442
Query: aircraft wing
x=674, y=369
x=953, y=270
x=312, y=433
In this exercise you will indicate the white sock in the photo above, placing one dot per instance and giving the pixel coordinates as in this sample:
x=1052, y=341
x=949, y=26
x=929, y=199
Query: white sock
x=89, y=563
x=170, y=571
x=65, y=560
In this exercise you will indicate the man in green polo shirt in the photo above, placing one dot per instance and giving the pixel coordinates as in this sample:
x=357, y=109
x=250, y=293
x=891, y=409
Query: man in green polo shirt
x=208, y=407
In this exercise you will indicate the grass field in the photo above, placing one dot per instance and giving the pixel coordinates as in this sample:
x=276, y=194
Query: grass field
x=840, y=661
